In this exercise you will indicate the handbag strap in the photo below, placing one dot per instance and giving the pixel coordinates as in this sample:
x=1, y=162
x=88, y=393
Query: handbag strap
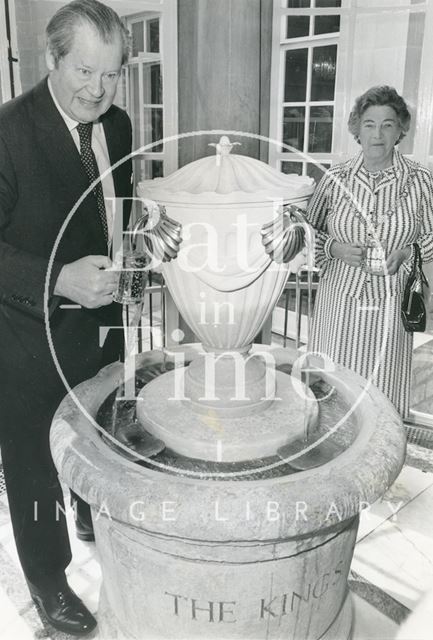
x=417, y=271
x=418, y=259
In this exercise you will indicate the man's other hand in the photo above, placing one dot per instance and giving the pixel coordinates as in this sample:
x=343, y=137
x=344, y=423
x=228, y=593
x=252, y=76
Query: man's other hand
x=88, y=282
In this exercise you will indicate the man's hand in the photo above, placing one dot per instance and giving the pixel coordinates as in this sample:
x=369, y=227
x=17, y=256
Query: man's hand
x=88, y=282
x=351, y=254
x=396, y=258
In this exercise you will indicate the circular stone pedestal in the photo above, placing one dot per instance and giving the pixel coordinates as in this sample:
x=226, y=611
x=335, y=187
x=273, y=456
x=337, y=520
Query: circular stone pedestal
x=228, y=555
x=203, y=590
x=216, y=436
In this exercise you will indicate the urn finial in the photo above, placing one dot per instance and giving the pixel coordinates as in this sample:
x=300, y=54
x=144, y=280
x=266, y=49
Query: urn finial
x=224, y=146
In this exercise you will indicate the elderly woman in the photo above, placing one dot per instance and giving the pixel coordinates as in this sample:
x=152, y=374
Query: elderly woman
x=368, y=212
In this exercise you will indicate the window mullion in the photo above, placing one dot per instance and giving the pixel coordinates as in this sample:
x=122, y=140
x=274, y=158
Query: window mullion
x=320, y=40
x=127, y=85
x=308, y=102
x=339, y=11
x=145, y=35
x=140, y=67
x=281, y=95
x=311, y=25
x=319, y=11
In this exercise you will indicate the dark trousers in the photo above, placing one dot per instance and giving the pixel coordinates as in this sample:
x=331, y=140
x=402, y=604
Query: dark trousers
x=36, y=504
x=29, y=398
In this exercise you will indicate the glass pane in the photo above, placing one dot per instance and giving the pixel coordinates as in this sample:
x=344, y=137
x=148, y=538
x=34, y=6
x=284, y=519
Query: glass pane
x=138, y=175
x=295, y=88
x=317, y=171
x=137, y=169
x=292, y=167
x=415, y=38
x=328, y=3
x=326, y=24
x=323, y=73
x=153, y=128
x=422, y=379
x=294, y=127
x=134, y=99
x=297, y=26
x=320, y=138
x=152, y=83
x=137, y=32
x=153, y=169
x=156, y=83
x=153, y=35
x=298, y=4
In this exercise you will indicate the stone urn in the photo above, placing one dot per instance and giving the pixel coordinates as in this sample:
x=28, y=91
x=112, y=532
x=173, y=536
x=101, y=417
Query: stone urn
x=236, y=223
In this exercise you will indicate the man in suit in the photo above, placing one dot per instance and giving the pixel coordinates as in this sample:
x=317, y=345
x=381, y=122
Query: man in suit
x=54, y=141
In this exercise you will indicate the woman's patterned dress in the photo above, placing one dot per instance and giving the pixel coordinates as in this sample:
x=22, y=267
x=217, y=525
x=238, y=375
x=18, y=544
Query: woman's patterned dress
x=357, y=316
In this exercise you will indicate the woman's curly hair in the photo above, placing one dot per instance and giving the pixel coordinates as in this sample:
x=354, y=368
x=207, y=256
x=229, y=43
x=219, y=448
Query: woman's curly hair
x=379, y=96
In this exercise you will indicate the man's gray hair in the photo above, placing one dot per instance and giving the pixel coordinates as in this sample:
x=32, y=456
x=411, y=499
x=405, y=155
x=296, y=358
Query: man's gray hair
x=60, y=30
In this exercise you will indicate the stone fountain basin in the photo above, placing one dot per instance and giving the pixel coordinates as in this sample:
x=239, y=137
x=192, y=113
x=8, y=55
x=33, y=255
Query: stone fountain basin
x=187, y=557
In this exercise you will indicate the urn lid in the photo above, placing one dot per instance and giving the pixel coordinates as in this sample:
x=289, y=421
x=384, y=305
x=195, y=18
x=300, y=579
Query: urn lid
x=226, y=178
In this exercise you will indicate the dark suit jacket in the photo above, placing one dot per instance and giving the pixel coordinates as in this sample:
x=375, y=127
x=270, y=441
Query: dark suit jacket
x=41, y=179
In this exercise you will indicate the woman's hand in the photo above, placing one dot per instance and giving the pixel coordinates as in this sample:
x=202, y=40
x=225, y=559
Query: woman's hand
x=396, y=258
x=351, y=254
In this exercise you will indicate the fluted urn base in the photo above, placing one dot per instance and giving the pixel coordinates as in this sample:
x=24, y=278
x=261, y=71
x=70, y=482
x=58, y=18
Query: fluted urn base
x=223, y=436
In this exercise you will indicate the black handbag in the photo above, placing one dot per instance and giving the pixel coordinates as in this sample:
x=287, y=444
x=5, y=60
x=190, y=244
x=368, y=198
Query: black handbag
x=415, y=297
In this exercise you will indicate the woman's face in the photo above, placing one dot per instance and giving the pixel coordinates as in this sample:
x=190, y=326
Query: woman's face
x=379, y=131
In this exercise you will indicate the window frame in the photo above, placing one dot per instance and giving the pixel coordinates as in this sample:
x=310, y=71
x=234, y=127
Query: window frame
x=10, y=79
x=281, y=44
x=343, y=145
x=166, y=11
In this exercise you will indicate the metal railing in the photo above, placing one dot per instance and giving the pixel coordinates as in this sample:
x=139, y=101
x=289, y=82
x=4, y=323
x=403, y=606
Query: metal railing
x=160, y=318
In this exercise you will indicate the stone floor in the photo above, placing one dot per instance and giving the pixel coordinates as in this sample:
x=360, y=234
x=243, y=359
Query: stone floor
x=391, y=569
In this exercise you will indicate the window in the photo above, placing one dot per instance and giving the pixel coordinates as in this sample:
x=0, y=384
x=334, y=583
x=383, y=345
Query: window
x=304, y=71
x=325, y=53
x=149, y=88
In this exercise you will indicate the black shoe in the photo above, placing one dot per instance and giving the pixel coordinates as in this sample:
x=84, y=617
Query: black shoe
x=84, y=532
x=63, y=608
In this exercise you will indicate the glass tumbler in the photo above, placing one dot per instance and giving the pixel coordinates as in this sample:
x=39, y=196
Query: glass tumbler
x=374, y=259
x=132, y=279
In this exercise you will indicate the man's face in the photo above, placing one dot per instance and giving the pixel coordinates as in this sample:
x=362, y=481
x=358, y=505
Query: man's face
x=85, y=80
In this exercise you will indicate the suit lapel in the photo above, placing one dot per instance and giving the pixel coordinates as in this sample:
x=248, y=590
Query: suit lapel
x=64, y=159
x=57, y=142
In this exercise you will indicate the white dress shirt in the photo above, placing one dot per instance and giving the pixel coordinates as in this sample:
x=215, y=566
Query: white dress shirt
x=100, y=149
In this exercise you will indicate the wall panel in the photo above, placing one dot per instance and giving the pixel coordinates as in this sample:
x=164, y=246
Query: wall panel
x=221, y=69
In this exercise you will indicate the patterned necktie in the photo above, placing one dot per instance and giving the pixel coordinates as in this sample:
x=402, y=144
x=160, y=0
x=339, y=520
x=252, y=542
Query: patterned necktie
x=89, y=161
